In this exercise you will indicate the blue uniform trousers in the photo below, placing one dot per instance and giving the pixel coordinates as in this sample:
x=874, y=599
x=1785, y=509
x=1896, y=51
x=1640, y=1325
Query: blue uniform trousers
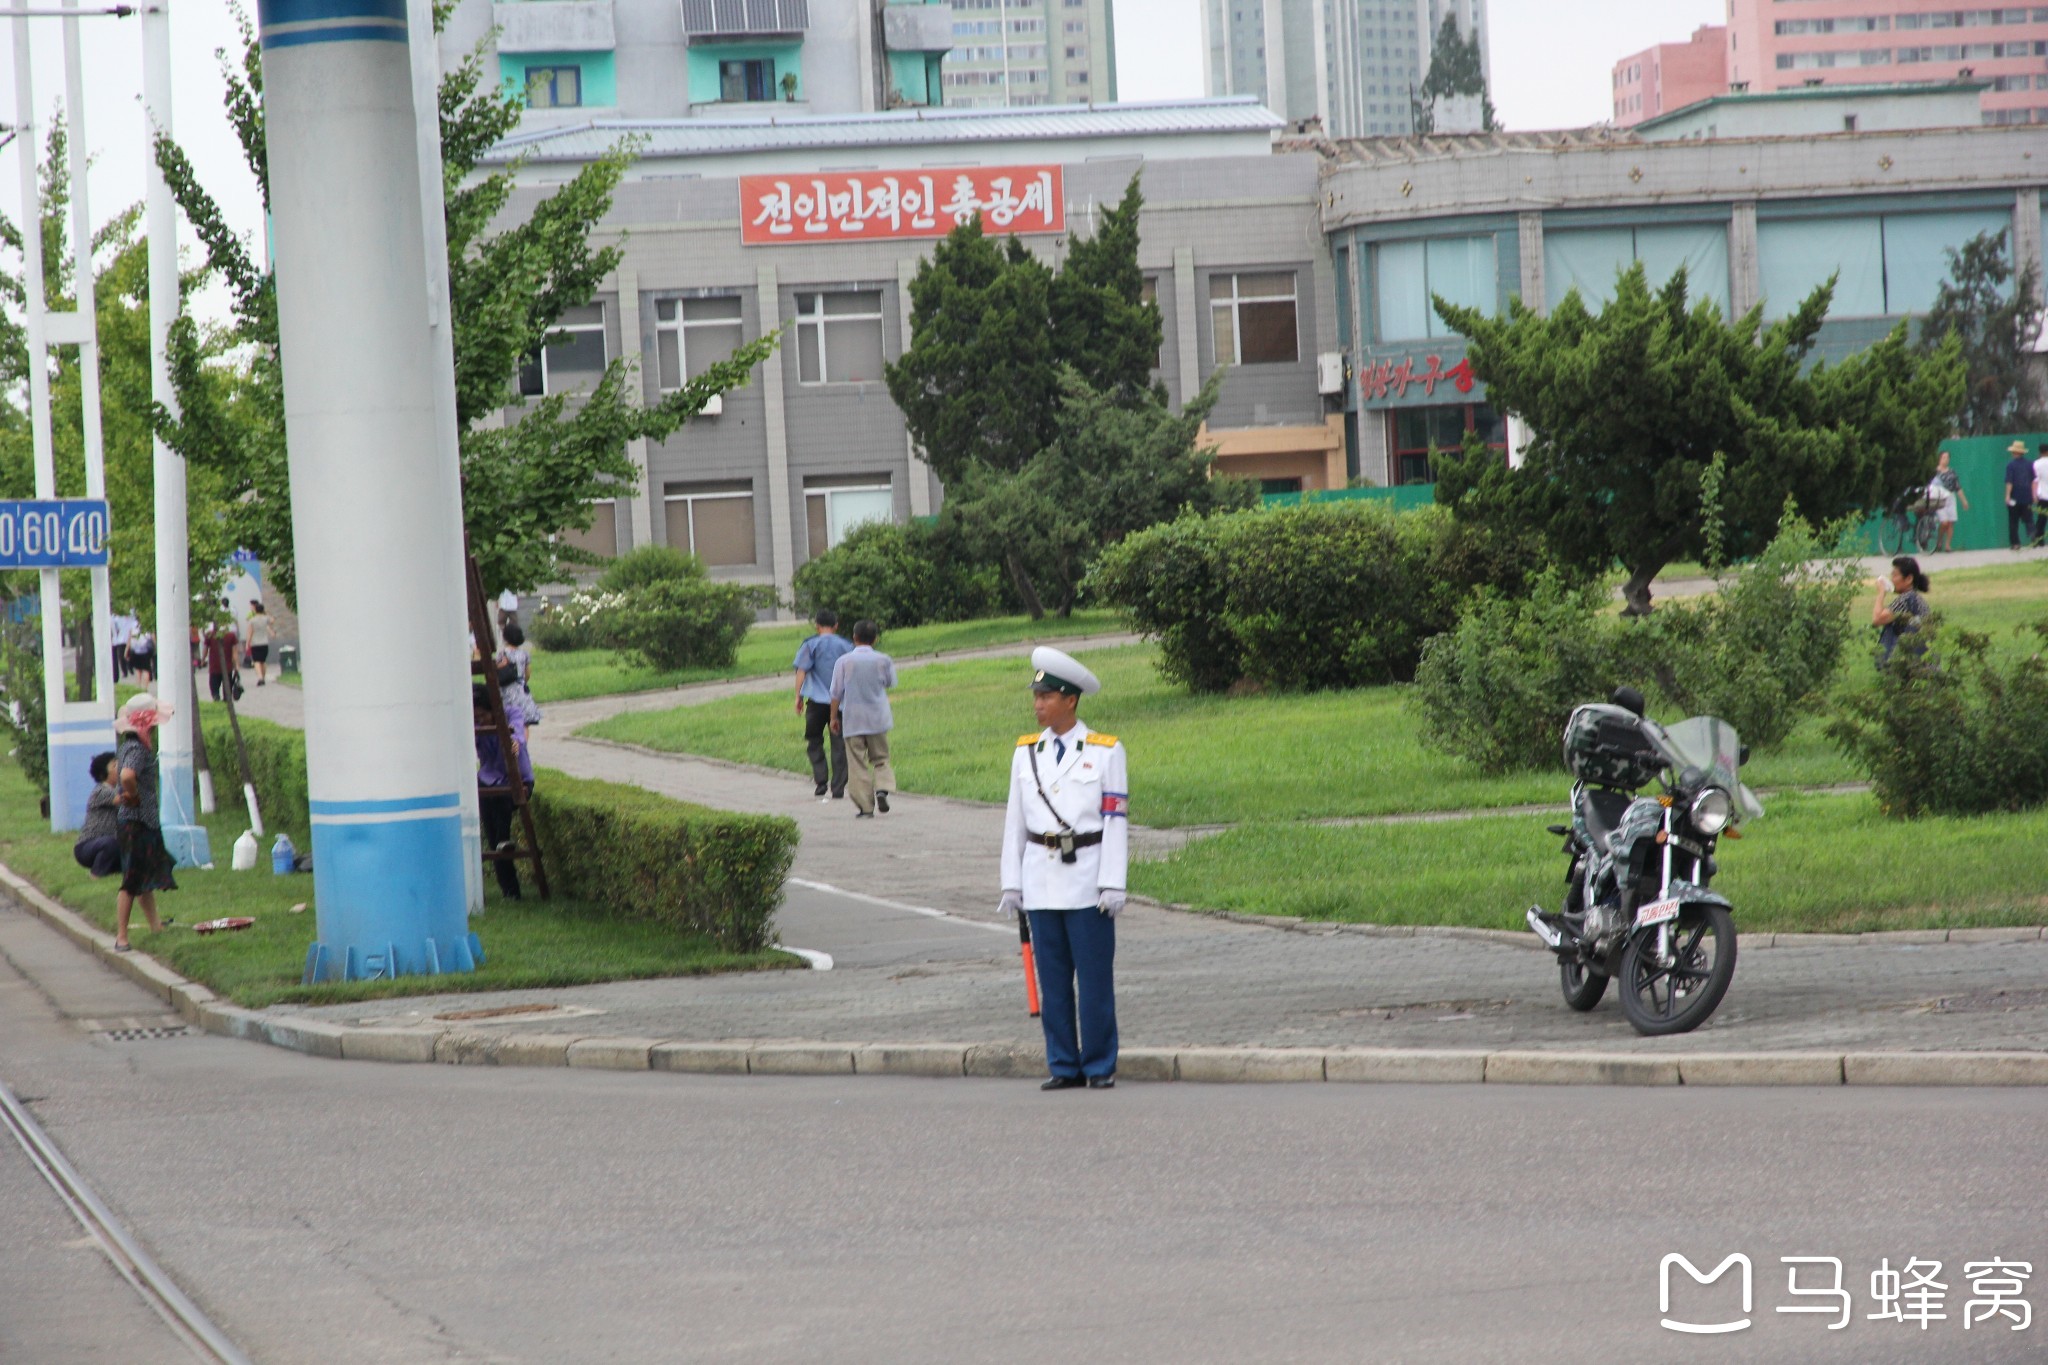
x=1070, y=946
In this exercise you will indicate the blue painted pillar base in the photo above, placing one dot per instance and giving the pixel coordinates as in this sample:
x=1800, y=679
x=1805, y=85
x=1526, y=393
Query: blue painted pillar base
x=388, y=889
x=189, y=845
x=72, y=747
x=323, y=963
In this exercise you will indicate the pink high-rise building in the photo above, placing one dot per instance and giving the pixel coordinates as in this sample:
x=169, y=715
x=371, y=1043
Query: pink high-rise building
x=1670, y=76
x=1773, y=45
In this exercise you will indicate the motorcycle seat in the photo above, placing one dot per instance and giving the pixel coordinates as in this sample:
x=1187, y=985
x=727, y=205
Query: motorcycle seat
x=1602, y=812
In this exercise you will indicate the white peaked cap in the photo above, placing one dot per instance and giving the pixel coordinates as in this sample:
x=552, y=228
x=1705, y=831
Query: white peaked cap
x=1055, y=670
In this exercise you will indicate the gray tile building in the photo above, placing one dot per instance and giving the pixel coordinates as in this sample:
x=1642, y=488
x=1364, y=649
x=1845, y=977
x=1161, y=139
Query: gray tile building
x=1233, y=251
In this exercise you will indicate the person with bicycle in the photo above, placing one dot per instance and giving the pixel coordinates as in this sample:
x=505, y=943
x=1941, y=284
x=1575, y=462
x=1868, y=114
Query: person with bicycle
x=1945, y=489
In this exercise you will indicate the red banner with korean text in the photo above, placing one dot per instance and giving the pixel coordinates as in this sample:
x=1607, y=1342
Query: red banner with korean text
x=854, y=206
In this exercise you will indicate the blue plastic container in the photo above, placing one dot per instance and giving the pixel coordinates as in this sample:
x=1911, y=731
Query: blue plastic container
x=282, y=855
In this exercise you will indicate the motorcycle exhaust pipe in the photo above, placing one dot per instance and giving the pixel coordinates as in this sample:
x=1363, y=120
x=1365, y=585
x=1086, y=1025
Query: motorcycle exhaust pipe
x=1553, y=939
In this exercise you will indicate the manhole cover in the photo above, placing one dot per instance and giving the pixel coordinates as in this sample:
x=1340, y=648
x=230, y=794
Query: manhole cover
x=1992, y=1002
x=501, y=1012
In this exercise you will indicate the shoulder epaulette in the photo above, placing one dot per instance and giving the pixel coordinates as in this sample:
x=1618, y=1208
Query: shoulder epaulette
x=1097, y=737
x=1026, y=741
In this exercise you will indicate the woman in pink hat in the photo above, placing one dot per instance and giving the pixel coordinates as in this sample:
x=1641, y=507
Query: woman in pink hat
x=145, y=863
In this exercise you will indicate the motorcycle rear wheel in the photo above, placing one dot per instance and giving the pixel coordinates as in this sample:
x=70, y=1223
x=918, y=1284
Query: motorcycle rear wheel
x=1582, y=985
x=1659, y=1000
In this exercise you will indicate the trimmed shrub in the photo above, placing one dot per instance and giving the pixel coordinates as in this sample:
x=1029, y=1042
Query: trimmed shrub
x=1762, y=652
x=1951, y=732
x=647, y=564
x=645, y=856
x=684, y=623
x=897, y=577
x=277, y=767
x=1169, y=580
x=1498, y=688
x=631, y=852
x=1321, y=595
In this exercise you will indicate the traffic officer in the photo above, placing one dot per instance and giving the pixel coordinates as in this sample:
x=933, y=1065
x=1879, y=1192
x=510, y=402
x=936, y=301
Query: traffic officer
x=1066, y=845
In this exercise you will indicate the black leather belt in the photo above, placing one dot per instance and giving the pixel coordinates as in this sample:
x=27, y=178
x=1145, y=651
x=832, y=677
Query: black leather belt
x=1088, y=840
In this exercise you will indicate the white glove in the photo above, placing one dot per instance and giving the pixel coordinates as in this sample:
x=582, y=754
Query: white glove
x=1011, y=905
x=1111, y=902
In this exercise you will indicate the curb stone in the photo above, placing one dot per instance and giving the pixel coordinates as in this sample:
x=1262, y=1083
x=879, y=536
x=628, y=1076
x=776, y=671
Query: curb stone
x=469, y=1047
x=1522, y=938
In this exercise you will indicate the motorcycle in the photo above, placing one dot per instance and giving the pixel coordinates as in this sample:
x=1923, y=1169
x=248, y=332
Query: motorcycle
x=1639, y=907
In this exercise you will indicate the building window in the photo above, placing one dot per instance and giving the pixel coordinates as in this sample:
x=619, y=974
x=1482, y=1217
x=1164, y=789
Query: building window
x=602, y=539
x=692, y=335
x=1461, y=270
x=751, y=80
x=1253, y=318
x=834, y=506
x=839, y=337
x=573, y=358
x=1415, y=434
x=713, y=521
x=554, y=87
x=1077, y=78
x=1268, y=487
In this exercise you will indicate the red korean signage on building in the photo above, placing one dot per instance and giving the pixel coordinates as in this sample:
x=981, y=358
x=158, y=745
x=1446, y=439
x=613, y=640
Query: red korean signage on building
x=1393, y=379
x=856, y=206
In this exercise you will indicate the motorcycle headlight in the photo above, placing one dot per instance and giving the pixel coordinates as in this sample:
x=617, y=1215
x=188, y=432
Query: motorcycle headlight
x=1711, y=810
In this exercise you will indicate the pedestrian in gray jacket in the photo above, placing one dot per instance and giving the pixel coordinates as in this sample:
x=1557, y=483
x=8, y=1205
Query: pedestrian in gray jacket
x=860, y=713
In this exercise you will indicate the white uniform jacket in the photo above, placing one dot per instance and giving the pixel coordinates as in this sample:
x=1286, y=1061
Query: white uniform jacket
x=1089, y=790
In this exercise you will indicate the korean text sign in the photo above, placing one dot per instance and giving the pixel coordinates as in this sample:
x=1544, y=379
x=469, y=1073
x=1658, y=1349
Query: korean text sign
x=854, y=206
x=55, y=533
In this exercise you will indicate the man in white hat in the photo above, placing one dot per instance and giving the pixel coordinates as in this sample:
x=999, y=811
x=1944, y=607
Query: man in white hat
x=1066, y=846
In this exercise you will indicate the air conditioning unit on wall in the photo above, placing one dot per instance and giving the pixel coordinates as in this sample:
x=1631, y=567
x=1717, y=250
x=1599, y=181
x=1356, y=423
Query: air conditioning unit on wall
x=1330, y=372
x=713, y=406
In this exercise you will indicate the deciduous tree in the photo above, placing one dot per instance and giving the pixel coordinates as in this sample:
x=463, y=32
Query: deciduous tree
x=1995, y=314
x=525, y=482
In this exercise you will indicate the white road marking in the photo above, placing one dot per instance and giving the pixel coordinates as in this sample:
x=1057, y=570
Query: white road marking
x=827, y=887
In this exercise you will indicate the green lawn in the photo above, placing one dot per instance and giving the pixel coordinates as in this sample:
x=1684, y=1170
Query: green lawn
x=1813, y=863
x=527, y=944
x=1221, y=760
x=572, y=674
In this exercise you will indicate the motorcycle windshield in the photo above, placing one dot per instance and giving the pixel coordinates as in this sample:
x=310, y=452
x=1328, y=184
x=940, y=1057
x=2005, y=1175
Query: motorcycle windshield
x=1711, y=745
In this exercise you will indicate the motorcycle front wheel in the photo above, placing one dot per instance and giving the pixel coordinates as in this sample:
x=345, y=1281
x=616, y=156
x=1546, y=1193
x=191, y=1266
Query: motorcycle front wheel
x=1661, y=999
x=1582, y=986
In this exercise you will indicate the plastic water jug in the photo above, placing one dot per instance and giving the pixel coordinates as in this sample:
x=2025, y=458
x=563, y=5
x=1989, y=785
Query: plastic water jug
x=281, y=855
x=245, y=851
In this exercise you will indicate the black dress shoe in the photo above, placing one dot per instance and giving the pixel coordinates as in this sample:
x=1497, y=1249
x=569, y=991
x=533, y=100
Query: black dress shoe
x=1102, y=1082
x=1063, y=1083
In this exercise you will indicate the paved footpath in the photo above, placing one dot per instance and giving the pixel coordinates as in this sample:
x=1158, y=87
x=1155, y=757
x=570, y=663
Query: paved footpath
x=903, y=904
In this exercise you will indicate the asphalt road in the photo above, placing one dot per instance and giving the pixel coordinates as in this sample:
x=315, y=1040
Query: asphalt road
x=342, y=1212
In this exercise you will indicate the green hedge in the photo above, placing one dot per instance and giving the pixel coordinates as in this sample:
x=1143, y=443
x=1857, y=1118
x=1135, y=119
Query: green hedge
x=629, y=851
x=1322, y=595
x=691, y=867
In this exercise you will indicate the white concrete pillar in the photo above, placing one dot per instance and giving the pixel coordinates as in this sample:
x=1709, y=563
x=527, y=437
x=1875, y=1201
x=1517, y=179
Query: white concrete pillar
x=1186, y=321
x=371, y=518
x=920, y=473
x=775, y=426
x=1745, y=280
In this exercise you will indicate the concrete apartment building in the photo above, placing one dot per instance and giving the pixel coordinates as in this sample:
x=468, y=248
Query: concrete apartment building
x=1771, y=45
x=1670, y=76
x=815, y=225
x=1353, y=64
x=671, y=59
x=1753, y=219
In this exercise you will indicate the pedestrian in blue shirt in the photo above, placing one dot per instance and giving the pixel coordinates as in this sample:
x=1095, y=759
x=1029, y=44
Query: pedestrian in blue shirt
x=814, y=661
x=2019, y=496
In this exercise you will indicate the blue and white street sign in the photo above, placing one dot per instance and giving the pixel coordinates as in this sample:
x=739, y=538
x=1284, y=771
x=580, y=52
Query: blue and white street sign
x=53, y=533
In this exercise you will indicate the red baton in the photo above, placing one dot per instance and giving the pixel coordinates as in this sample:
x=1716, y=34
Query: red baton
x=1030, y=966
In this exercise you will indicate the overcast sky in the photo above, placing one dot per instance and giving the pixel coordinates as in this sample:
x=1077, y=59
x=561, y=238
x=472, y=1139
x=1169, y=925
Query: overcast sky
x=1551, y=61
